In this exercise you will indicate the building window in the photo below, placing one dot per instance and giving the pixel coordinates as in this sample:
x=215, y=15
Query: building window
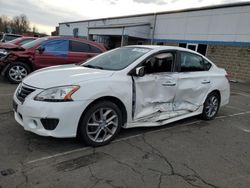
x=75, y=32
x=192, y=46
x=201, y=48
x=160, y=43
x=183, y=45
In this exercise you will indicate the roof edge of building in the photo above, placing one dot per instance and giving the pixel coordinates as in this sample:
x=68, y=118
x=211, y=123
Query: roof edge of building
x=227, y=5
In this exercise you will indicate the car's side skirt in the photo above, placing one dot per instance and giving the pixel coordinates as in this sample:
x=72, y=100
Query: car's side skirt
x=163, y=122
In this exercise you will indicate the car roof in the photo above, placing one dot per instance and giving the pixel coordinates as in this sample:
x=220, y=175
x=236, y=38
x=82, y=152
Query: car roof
x=11, y=34
x=27, y=37
x=160, y=47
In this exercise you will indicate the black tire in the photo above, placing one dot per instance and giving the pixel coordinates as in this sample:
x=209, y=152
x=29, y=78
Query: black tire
x=87, y=117
x=17, y=77
x=208, y=106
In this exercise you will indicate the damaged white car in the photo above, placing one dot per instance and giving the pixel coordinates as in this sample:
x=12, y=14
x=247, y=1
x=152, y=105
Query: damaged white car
x=133, y=86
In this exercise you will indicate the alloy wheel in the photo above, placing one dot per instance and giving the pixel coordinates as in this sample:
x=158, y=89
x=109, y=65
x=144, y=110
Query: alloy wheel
x=102, y=125
x=212, y=106
x=17, y=73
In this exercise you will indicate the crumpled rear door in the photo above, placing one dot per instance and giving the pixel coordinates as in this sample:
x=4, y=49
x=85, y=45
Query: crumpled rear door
x=191, y=91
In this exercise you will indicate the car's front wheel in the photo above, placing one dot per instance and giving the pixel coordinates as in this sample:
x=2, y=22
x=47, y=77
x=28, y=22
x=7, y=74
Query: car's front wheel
x=17, y=71
x=211, y=106
x=100, y=124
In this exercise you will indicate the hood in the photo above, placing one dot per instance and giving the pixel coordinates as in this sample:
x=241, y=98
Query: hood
x=19, y=51
x=8, y=46
x=64, y=75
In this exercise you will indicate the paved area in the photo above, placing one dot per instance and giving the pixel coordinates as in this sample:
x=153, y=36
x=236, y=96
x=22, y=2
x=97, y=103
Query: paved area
x=188, y=153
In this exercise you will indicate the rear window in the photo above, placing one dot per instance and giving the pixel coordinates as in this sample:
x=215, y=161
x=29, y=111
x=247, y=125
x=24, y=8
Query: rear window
x=95, y=49
x=191, y=62
x=76, y=46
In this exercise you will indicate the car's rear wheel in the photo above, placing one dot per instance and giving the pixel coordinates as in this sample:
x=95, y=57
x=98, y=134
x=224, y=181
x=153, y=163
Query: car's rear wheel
x=100, y=124
x=17, y=71
x=211, y=106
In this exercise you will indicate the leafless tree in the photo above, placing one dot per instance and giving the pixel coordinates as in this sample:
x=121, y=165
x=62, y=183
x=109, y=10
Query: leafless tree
x=18, y=24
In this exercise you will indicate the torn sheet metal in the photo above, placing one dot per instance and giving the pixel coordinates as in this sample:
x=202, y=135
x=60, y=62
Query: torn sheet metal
x=192, y=91
x=161, y=115
x=156, y=101
x=152, y=96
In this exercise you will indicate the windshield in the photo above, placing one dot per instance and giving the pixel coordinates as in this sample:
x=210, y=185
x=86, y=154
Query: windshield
x=117, y=59
x=34, y=42
x=15, y=40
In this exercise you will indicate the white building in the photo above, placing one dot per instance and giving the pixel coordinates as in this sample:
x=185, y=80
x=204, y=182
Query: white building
x=220, y=32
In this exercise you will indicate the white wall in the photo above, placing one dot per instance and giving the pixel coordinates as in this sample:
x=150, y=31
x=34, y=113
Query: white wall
x=68, y=30
x=223, y=24
x=83, y=26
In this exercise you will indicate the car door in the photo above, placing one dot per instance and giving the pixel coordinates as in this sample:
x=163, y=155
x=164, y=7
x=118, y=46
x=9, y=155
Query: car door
x=193, y=82
x=80, y=51
x=53, y=52
x=155, y=91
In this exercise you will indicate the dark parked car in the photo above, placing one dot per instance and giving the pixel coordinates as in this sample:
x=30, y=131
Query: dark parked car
x=8, y=37
x=47, y=51
x=14, y=45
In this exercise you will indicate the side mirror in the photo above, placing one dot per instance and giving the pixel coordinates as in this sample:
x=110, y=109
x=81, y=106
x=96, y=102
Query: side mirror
x=140, y=71
x=40, y=49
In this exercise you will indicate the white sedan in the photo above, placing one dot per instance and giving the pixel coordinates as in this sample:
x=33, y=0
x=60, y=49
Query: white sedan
x=133, y=86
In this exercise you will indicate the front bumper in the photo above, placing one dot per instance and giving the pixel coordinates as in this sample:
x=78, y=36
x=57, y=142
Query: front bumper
x=30, y=113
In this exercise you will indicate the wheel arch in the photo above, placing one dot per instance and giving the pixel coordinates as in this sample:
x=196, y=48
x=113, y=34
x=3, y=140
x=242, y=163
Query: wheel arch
x=18, y=60
x=113, y=99
x=26, y=61
x=217, y=92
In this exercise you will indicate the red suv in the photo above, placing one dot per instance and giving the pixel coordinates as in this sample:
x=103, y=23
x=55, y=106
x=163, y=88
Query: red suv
x=47, y=51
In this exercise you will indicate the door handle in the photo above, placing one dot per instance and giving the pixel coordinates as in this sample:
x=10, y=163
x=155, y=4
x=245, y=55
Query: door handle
x=168, y=83
x=205, y=82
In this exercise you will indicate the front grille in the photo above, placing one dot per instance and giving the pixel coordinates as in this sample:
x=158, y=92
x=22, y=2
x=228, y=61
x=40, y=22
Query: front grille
x=23, y=91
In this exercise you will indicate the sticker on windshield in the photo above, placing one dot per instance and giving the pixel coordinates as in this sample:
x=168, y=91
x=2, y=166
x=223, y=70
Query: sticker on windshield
x=142, y=50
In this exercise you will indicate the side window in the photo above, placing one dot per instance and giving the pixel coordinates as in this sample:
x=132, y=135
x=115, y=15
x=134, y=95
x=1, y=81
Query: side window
x=95, y=49
x=159, y=63
x=191, y=62
x=56, y=46
x=76, y=46
x=207, y=65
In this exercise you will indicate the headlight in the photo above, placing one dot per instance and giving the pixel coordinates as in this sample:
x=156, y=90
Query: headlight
x=57, y=94
x=3, y=51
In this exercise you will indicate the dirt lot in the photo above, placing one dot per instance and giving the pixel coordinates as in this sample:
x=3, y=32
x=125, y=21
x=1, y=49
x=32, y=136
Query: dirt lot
x=188, y=153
